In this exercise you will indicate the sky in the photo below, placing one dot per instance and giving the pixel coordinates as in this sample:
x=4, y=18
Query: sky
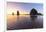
x=24, y=8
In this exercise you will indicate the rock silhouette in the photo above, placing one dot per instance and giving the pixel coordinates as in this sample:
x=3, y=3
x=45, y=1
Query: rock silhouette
x=12, y=13
x=17, y=12
x=33, y=12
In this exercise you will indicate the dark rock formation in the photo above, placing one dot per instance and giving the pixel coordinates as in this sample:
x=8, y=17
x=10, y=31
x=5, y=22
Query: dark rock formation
x=12, y=13
x=17, y=12
x=33, y=12
x=39, y=14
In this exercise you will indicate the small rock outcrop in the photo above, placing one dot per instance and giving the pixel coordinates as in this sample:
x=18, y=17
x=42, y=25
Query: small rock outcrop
x=17, y=12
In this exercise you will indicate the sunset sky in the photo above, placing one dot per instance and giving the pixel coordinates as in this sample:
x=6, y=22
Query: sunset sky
x=24, y=8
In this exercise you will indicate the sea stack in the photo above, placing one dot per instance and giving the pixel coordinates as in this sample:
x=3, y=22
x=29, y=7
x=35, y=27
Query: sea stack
x=12, y=13
x=33, y=12
x=17, y=12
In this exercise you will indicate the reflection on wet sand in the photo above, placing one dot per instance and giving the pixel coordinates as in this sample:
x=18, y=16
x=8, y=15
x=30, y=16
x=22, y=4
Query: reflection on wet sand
x=25, y=22
x=34, y=22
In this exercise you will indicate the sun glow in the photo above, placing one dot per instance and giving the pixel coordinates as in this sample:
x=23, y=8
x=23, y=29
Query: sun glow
x=9, y=11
